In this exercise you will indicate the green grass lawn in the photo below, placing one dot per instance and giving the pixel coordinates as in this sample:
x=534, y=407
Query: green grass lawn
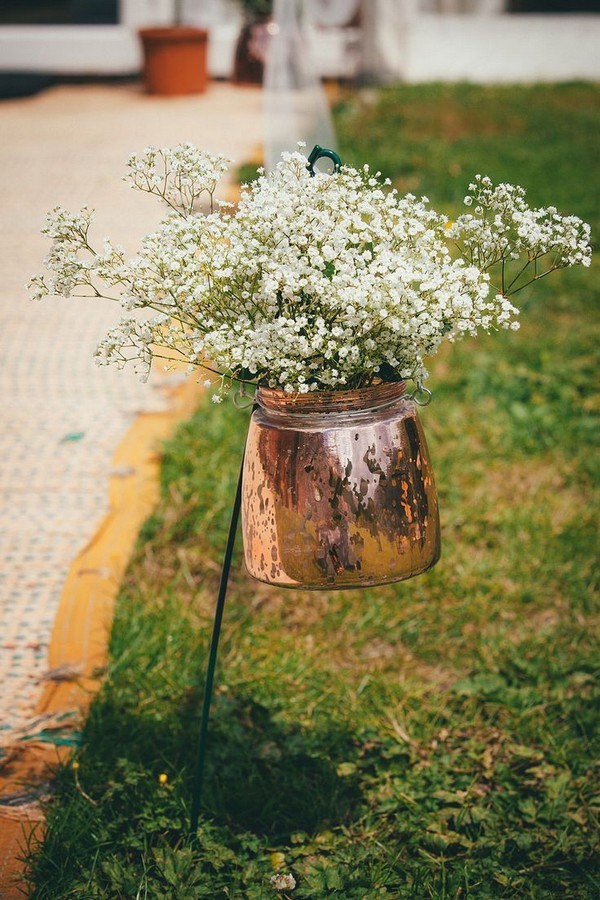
x=429, y=739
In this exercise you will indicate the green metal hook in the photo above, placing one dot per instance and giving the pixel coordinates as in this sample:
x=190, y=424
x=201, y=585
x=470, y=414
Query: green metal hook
x=320, y=153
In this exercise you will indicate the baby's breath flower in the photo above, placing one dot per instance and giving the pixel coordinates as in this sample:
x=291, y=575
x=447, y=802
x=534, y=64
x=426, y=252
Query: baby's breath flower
x=324, y=282
x=283, y=882
x=179, y=176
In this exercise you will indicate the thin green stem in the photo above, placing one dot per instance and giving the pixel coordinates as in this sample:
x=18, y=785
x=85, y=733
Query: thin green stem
x=536, y=278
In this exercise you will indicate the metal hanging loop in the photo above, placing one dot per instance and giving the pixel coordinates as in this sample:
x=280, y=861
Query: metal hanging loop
x=242, y=400
x=317, y=153
x=421, y=395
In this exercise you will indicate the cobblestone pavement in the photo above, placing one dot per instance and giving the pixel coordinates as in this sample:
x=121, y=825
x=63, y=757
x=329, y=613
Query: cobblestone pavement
x=61, y=417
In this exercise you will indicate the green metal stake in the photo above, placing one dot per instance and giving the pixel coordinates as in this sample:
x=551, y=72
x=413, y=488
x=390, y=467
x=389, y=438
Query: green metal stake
x=212, y=657
x=316, y=153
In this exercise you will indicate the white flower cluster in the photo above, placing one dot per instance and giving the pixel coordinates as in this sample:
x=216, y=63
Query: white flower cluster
x=179, y=175
x=315, y=282
x=283, y=882
x=524, y=244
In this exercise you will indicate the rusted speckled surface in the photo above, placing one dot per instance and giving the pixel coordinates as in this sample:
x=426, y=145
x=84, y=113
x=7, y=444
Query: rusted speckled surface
x=338, y=499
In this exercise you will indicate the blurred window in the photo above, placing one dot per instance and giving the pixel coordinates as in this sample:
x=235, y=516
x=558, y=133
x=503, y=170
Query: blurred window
x=59, y=12
x=489, y=7
x=553, y=6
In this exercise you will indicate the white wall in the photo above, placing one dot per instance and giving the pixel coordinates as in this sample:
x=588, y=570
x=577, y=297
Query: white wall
x=70, y=49
x=500, y=48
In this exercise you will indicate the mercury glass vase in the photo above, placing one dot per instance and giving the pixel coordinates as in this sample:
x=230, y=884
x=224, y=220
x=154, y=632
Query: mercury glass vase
x=338, y=490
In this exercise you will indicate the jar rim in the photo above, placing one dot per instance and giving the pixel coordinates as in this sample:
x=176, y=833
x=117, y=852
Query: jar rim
x=373, y=397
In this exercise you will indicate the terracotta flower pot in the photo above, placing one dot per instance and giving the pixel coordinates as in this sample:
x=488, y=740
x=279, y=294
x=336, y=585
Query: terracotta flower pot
x=174, y=60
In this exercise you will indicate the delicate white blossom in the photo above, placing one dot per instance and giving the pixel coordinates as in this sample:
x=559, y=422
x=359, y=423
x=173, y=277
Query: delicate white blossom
x=313, y=283
x=179, y=175
x=283, y=882
x=523, y=244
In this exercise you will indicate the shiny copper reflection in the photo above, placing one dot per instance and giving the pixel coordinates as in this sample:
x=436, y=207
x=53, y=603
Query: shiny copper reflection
x=338, y=489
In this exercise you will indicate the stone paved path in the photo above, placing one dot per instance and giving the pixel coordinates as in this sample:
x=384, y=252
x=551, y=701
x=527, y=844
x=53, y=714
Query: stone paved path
x=61, y=417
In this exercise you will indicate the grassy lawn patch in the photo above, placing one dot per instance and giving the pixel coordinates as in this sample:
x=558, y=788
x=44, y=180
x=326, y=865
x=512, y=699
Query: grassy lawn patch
x=433, y=738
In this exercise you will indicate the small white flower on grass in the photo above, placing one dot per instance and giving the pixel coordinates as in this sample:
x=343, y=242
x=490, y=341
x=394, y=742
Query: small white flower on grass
x=283, y=882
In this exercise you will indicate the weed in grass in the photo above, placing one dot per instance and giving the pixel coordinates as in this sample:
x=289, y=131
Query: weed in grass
x=434, y=738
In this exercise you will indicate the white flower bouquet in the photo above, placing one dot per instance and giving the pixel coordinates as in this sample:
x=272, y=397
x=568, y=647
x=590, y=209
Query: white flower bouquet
x=314, y=282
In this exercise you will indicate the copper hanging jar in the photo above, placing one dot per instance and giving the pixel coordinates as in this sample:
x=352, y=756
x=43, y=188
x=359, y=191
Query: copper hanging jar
x=338, y=489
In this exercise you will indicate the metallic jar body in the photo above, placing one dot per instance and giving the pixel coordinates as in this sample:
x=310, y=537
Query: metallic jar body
x=338, y=489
